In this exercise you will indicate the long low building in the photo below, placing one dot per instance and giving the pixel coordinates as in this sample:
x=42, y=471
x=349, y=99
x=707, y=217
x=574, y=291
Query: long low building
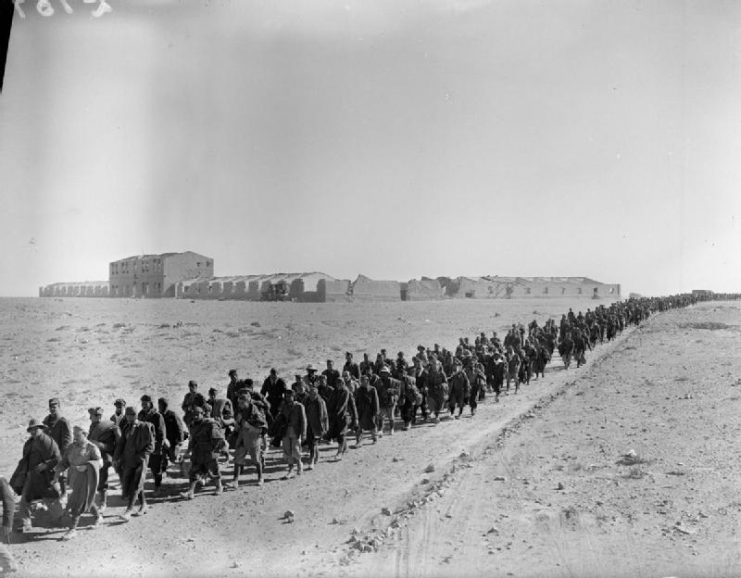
x=190, y=275
x=84, y=289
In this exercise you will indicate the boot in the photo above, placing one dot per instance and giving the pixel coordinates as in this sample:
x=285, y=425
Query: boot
x=219, y=487
x=103, y=500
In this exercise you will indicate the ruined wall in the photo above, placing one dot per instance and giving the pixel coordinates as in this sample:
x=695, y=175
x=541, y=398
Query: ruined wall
x=336, y=290
x=367, y=289
x=424, y=289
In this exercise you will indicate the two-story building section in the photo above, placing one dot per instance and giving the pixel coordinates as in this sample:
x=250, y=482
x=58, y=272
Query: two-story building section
x=156, y=275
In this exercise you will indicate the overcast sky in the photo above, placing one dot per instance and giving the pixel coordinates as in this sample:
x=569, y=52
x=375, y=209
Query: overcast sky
x=391, y=138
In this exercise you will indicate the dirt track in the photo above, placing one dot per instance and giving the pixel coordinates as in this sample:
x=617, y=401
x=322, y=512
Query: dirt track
x=634, y=471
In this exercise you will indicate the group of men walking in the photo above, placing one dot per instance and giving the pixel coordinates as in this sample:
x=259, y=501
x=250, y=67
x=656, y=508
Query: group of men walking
x=67, y=468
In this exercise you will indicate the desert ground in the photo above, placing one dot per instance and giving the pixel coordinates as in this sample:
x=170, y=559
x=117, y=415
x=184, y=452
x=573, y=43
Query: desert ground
x=625, y=467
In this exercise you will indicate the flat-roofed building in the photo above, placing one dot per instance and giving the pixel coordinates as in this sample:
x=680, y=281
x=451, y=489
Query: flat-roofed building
x=156, y=275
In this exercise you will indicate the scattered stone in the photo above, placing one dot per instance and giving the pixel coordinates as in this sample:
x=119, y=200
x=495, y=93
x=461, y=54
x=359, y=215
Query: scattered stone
x=386, y=511
x=500, y=479
x=560, y=486
x=425, y=481
x=493, y=530
x=289, y=515
x=430, y=468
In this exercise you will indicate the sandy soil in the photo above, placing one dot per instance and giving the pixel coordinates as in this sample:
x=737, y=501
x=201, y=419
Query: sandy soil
x=459, y=498
x=631, y=470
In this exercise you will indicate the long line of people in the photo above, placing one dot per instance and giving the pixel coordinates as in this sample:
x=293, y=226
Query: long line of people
x=66, y=469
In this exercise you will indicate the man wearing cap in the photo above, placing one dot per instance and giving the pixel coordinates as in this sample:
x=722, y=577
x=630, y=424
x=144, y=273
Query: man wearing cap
x=477, y=381
x=60, y=431
x=317, y=423
x=158, y=458
x=437, y=388
x=192, y=399
x=366, y=400
x=82, y=460
x=131, y=458
x=497, y=371
x=421, y=383
x=400, y=366
x=205, y=444
x=459, y=389
x=232, y=389
x=118, y=417
x=311, y=374
x=295, y=417
x=389, y=389
x=105, y=435
x=410, y=396
x=274, y=389
x=350, y=366
x=7, y=563
x=421, y=354
x=342, y=413
x=34, y=476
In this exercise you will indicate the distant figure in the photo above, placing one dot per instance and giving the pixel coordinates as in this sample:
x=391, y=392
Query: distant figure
x=274, y=389
x=350, y=366
x=331, y=374
x=118, y=416
x=232, y=389
x=191, y=400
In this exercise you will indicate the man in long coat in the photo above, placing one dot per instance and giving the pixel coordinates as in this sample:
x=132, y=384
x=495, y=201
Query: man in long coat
x=437, y=388
x=366, y=400
x=460, y=389
x=33, y=478
x=131, y=459
x=295, y=418
x=342, y=413
x=82, y=460
x=105, y=435
x=317, y=423
x=158, y=458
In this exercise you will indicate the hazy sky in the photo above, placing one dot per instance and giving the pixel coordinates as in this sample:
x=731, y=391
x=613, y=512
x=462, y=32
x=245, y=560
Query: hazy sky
x=391, y=138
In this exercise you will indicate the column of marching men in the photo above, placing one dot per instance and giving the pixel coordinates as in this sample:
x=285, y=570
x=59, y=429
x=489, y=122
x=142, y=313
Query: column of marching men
x=65, y=470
